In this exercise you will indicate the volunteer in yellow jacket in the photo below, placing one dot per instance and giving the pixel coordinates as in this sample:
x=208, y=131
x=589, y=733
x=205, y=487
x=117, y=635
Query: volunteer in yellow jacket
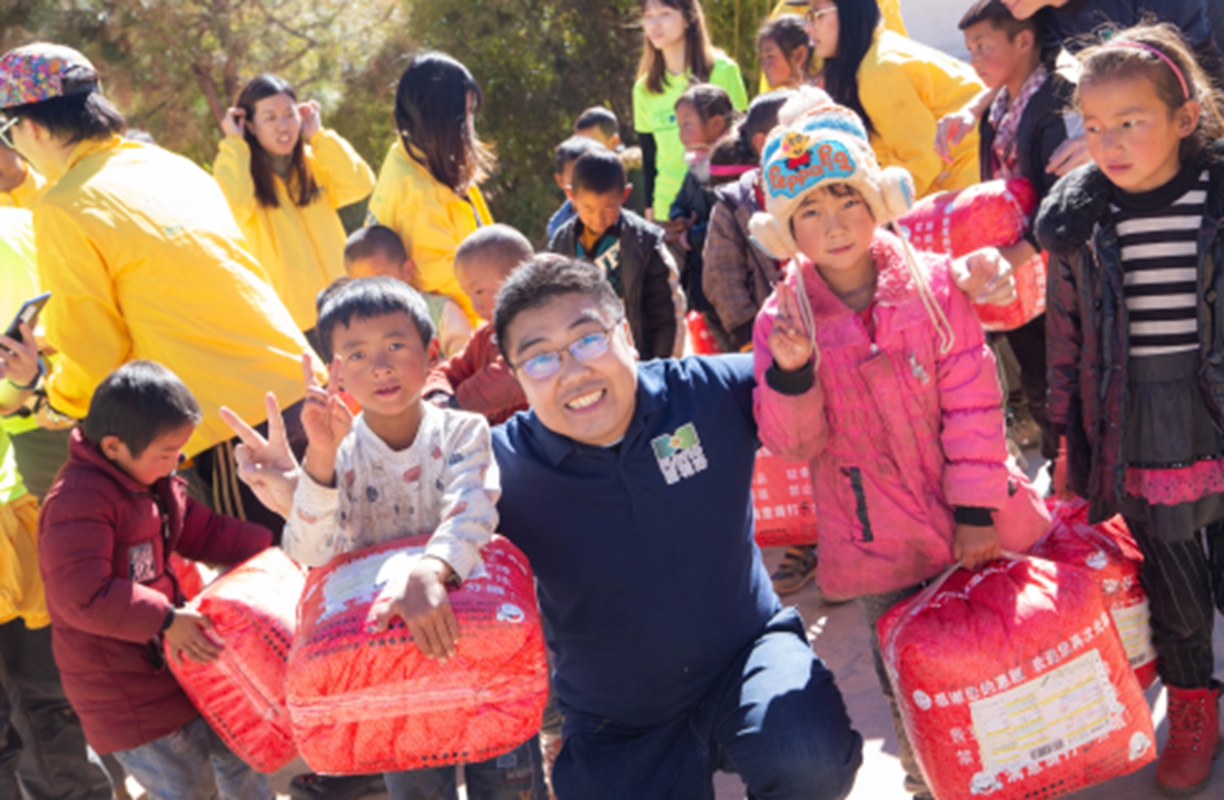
x=676, y=52
x=284, y=176
x=427, y=188
x=144, y=261
x=899, y=87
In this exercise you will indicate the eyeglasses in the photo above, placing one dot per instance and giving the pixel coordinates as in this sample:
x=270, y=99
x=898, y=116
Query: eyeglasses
x=5, y=138
x=814, y=14
x=545, y=365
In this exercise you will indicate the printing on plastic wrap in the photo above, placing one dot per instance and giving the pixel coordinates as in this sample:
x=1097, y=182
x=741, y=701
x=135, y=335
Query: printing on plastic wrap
x=190, y=581
x=782, y=503
x=364, y=703
x=990, y=214
x=242, y=693
x=1012, y=683
x=1110, y=556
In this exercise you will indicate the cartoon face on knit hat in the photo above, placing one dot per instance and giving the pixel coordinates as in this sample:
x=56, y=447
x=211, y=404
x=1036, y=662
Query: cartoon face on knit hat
x=42, y=71
x=825, y=144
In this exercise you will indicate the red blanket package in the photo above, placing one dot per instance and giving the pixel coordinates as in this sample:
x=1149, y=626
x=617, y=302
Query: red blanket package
x=1108, y=554
x=364, y=703
x=1012, y=683
x=990, y=214
x=188, y=574
x=700, y=338
x=782, y=502
x=242, y=693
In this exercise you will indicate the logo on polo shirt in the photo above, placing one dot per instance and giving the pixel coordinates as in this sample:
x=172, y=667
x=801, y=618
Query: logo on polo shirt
x=679, y=454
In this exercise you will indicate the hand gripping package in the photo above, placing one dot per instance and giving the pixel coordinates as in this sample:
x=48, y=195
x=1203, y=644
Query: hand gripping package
x=1012, y=683
x=990, y=214
x=782, y=503
x=1108, y=554
x=242, y=694
x=364, y=703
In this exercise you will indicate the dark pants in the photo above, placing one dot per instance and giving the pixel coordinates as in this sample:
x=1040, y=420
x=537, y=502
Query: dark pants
x=1028, y=343
x=48, y=759
x=215, y=478
x=774, y=716
x=1184, y=581
x=517, y=775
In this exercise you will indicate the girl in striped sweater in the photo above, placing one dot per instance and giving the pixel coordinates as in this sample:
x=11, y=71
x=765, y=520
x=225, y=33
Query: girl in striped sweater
x=1136, y=347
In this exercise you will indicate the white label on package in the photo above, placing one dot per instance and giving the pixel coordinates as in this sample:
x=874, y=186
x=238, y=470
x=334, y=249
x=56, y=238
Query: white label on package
x=1042, y=717
x=1136, y=632
x=359, y=582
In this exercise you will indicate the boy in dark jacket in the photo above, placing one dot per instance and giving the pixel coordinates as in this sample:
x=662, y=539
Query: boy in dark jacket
x=1019, y=133
x=108, y=526
x=628, y=250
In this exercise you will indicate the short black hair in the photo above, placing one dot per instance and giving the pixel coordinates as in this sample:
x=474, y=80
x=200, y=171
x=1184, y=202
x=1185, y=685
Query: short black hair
x=74, y=117
x=329, y=291
x=497, y=244
x=543, y=278
x=137, y=403
x=599, y=116
x=762, y=114
x=366, y=298
x=573, y=149
x=375, y=240
x=599, y=171
x=1000, y=18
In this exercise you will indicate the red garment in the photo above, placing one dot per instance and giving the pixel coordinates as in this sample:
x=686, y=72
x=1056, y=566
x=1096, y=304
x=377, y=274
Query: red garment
x=479, y=379
x=103, y=545
x=1177, y=485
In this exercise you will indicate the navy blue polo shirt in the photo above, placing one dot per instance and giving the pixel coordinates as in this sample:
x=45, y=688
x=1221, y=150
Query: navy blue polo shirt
x=648, y=576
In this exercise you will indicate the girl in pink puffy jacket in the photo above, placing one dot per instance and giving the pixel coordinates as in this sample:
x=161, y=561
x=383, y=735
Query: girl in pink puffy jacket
x=872, y=367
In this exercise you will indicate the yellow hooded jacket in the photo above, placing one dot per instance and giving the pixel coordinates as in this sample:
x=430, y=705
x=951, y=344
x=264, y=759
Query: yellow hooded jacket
x=26, y=193
x=144, y=261
x=301, y=248
x=430, y=218
x=21, y=587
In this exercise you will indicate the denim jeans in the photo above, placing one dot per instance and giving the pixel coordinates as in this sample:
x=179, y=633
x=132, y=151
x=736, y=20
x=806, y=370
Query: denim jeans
x=48, y=757
x=517, y=775
x=774, y=716
x=193, y=764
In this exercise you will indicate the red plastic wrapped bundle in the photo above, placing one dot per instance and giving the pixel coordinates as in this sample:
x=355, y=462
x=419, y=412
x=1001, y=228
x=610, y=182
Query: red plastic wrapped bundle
x=242, y=694
x=1012, y=683
x=990, y=214
x=782, y=502
x=699, y=335
x=364, y=703
x=190, y=581
x=1108, y=554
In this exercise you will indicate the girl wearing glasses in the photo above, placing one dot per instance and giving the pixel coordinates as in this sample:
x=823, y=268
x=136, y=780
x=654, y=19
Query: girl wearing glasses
x=284, y=176
x=900, y=88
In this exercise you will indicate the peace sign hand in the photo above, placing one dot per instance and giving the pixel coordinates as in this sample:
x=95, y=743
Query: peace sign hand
x=326, y=420
x=265, y=465
x=789, y=342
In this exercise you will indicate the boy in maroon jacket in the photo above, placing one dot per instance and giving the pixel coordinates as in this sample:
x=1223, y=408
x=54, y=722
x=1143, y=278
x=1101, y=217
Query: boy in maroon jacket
x=477, y=378
x=108, y=526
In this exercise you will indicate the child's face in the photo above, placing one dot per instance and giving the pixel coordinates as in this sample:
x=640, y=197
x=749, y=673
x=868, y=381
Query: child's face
x=379, y=265
x=696, y=134
x=598, y=212
x=383, y=362
x=776, y=69
x=276, y=124
x=994, y=57
x=665, y=26
x=159, y=460
x=1131, y=133
x=481, y=280
x=611, y=142
x=835, y=232
x=567, y=173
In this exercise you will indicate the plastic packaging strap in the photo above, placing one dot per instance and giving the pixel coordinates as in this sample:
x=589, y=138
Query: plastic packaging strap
x=805, y=310
x=946, y=337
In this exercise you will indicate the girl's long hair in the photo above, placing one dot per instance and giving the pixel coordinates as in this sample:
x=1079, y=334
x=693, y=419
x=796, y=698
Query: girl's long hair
x=1113, y=59
x=431, y=115
x=699, y=54
x=301, y=184
x=857, y=21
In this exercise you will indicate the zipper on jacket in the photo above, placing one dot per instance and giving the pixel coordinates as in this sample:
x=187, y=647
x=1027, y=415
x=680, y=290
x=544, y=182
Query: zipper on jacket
x=860, y=501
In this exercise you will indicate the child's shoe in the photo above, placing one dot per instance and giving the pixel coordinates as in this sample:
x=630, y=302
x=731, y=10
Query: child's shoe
x=797, y=568
x=1184, y=768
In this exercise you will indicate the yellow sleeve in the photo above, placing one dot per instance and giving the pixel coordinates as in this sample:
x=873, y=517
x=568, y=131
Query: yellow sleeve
x=232, y=169
x=641, y=117
x=727, y=75
x=343, y=174
x=904, y=127
x=434, y=242
x=82, y=320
